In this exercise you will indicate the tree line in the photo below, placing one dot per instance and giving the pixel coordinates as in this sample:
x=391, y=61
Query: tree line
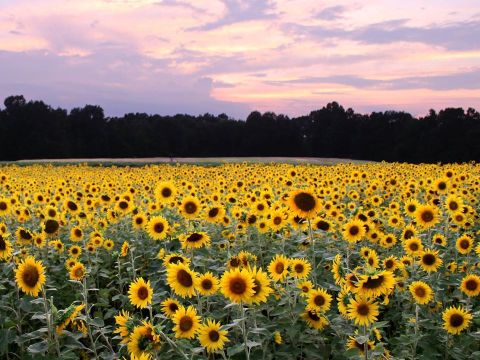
x=35, y=130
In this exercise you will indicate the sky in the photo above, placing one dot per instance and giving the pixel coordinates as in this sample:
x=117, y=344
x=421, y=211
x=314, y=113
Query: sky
x=236, y=56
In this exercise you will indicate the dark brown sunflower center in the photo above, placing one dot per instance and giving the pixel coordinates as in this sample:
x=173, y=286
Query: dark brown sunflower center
x=354, y=230
x=299, y=268
x=304, y=201
x=213, y=335
x=427, y=216
x=3, y=206
x=195, y=237
x=186, y=323
x=78, y=232
x=279, y=268
x=453, y=205
x=213, y=212
x=238, y=286
x=471, y=285
x=30, y=276
x=184, y=278
x=158, y=227
x=234, y=262
x=74, y=251
x=420, y=291
x=464, y=244
x=25, y=235
x=408, y=234
x=3, y=244
x=51, y=226
x=72, y=206
x=190, y=207
x=257, y=287
x=166, y=192
x=389, y=264
x=142, y=293
x=173, y=307
x=319, y=300
x=277, y=220
x=323, y=225
x=413, y=246
x=373, y=283
x=456, y=320
x=363, y=309
x=139, y=220
x=312, y=315
x=207, y=284
x=429, y=259
x=442, y=185
x=79, y=273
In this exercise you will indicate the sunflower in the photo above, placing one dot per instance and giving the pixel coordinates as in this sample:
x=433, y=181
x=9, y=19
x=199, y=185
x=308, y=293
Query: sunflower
x=75, y=251
x=430, y=260
x=211, y=337
x=261, y=287
x=322, y=225
x=304, y=203
x=464, y=244
x=319, y=300
x=422, y=293
x=4, y=207
x=237, y=285
x=426, y=216
x=124, y=324
x=343, y=299
x=190, y=207
x=471, y=285
x=170, y=306
x=187, y=322
x=123, y=207
x=30, y=276
x=5, y=247
x=314, y=320
x=390, y=263
x=143, y=340
x=305, y=286
x=140, y=293
x=76, y=234
x=175, y=259
x=58, y=246
x=453, y=203
x=208, y=284
x=456, y=319
x=24, y=236
x=77, y=271
x=51, y=227
x=157, y=228
x=182, y=280
x=353, y=343
x=278, y=220
x=108, y=244
x=67, y=316
x=362, y=311
x=139, y=221
x=277, y=337
x=439, y=239
x=300, y=268
x=124, y=250
x=165, y=192
x=413, y=246
x=353, y=231
x=381, y=283
x=278, y=268
x=194, y=240
x=71, y=207
x=214, y=213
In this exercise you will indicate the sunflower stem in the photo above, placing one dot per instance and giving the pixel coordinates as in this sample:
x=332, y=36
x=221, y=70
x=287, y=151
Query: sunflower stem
x=132, y=260
x=47, y=316
x=365, y=344
x=310, y=233
x=87, y=315
x=244, y=331
x=173, y=345
x=415, y=343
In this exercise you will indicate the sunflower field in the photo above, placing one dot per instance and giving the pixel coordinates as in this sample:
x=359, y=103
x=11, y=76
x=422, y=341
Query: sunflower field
x=240, y=261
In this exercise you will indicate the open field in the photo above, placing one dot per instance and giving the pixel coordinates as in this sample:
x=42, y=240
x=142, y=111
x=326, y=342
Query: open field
x=202, y=161
x=240, y=261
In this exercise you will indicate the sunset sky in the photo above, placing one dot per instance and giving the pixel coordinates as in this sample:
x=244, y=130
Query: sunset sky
x=235, y=56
